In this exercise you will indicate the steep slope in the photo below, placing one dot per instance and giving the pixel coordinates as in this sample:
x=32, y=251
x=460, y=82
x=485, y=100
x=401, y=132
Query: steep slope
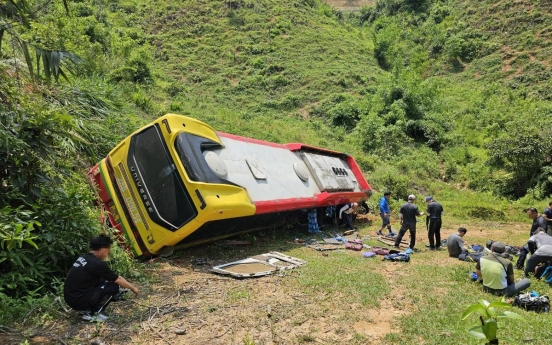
x=519, y=40
x=256, y=58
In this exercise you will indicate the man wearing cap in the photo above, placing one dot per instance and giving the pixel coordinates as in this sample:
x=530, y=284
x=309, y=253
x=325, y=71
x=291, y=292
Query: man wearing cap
x=538, y=222
x=433, y=223
x=540, y=246
x=455, y=243
x=407, y=217
x=91, y=285
x=384, y=213
x=498, y=273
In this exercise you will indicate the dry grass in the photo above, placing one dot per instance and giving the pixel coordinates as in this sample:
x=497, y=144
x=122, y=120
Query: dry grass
x=305, y=305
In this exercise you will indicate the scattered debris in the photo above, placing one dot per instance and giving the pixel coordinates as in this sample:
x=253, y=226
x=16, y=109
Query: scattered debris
x=233, y=243
x=354, y=245
x=325, y=247
x=391, y=242
x=259, y=265
x=200, y=261
x=331, y=241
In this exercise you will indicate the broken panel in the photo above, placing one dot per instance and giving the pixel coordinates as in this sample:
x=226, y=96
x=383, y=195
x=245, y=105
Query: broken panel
x=259, y=265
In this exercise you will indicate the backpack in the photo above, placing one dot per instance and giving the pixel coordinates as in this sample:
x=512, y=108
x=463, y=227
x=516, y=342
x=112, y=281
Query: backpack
x=473, y=257
x=354, y=245
x=541, y=270
x=540, y=304
x=477, y=247
x=399, y=257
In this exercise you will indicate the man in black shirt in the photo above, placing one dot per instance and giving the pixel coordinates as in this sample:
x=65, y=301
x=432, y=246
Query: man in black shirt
x=547, y=215
x=407, y=217
x=433, y=223
x=538, y=222
x=91, y=285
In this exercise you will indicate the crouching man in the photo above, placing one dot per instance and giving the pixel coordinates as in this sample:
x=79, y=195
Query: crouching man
x=498, y=273
x=91, y=285
x=540, y=246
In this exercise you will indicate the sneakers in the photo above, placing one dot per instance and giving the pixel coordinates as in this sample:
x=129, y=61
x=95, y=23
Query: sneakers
x=380, y=233
x=99, y=317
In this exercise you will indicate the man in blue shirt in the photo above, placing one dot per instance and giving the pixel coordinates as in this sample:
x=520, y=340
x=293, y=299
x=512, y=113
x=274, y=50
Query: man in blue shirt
x=384, y=213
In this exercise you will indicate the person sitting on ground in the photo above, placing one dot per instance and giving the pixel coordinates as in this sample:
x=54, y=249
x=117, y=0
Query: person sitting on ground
x=497, y=273
x=384, y=213
x=433, y=223
x=455, y=243
x=91, y=285
x=538, y=222
x=346, y=213
x=407, y=217
x=540, y=246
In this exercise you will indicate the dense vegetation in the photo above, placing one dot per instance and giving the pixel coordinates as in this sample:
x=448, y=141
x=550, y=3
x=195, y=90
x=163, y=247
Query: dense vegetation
x=451, y=98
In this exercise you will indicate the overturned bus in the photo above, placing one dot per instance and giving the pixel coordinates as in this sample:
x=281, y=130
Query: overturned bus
x=178, y=182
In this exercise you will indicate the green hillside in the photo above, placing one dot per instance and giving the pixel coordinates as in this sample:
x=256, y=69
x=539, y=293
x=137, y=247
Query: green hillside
x=451, y=98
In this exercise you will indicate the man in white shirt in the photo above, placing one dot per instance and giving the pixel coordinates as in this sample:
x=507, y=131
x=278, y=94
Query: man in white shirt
x=346, y=213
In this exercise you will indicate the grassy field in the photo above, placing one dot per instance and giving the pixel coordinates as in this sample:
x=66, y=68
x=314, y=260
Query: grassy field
x=340, y=298
x=416, y=95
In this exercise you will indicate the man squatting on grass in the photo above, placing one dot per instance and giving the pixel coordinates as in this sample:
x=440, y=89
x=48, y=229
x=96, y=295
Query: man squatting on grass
x=498, y=273
x=384, y=213
x=538, y=222
x=540, y=246
x=407, y=217
x=455, y=243
x=433, y=223
x=91, y=285
x=346, y=212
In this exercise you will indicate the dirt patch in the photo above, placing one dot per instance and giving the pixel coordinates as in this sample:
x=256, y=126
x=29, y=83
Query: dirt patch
x=11, y=338
x=377, y=323
x=349, y=5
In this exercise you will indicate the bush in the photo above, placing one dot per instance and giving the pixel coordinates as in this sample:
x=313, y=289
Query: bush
x=389, y=178
x=486, y=213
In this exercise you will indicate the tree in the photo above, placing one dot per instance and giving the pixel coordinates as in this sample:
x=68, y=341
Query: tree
x=523, y=153
x=55, y=62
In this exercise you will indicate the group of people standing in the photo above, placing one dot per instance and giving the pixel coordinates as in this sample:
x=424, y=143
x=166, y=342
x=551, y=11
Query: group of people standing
x=494, y=269
x=407, y=217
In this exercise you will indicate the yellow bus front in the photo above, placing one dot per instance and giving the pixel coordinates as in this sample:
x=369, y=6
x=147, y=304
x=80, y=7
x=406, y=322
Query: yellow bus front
x=161, y=188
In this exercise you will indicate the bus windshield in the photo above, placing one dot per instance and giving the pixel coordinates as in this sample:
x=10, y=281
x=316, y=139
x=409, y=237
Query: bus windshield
x=161, y=189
